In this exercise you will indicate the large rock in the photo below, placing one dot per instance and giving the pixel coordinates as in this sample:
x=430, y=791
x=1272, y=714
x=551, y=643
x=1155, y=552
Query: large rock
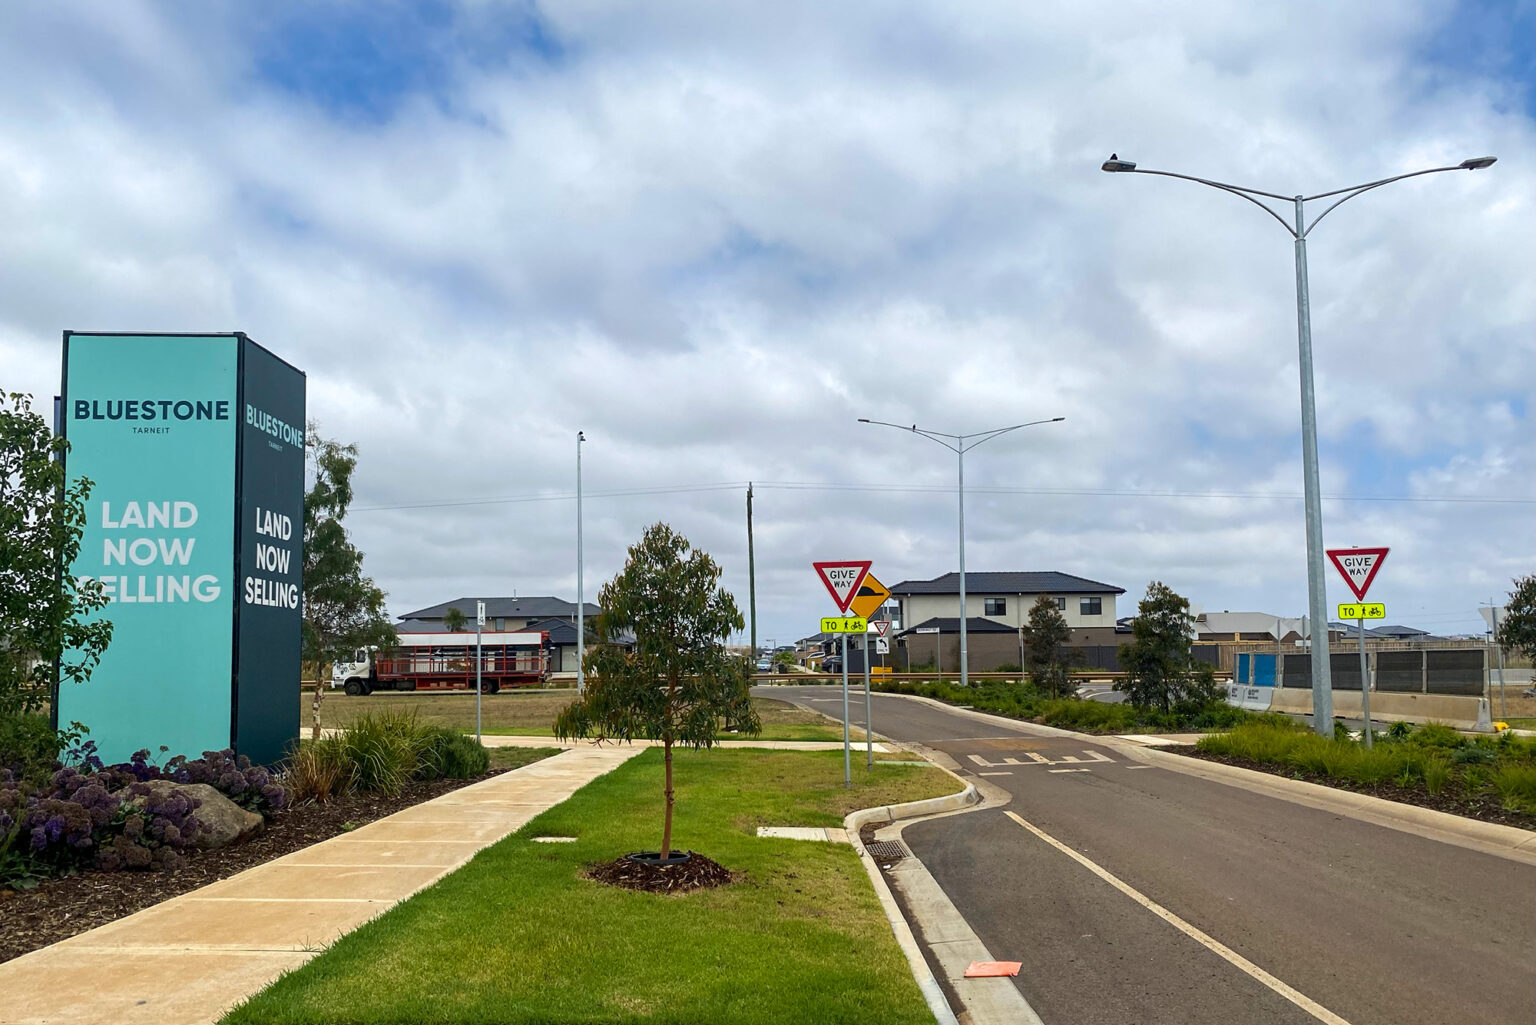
x=223, y=821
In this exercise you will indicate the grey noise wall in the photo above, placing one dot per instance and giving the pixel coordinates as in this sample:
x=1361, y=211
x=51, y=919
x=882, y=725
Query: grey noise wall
x=269, y=540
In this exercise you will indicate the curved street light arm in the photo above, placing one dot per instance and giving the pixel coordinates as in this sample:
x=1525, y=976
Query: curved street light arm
x=1236, y=190
x=986, y=436
x=1358, y=189
x=934, y=436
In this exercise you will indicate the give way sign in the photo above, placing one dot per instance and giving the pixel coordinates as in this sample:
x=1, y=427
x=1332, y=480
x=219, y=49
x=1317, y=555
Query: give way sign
x=842, y=580
x=1358, y=567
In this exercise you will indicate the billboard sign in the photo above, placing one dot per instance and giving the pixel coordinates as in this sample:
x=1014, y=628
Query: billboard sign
x=193, y=527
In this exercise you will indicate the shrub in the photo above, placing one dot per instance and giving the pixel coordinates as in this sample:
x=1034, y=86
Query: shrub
x=29, y=746
x=451, y=754
x=1516, y=784
x=249, y=786
x=1437, y=771
x=1399, y=730
x=1474, y=754
x=383, y=750
x=318, y=771
x=1437, y=734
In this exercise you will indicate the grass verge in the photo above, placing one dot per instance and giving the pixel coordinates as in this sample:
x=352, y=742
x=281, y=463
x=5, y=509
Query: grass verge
x=519, y=936
x=532, y=713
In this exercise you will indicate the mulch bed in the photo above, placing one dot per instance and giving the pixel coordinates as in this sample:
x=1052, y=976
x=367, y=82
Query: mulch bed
x=697, y=873
x=1483, y=805
x=60, y=908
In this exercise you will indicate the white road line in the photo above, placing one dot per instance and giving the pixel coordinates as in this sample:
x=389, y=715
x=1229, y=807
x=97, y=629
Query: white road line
x=994, y=774
x=1139, y=766
x=1296, y=997
x=1068, y=770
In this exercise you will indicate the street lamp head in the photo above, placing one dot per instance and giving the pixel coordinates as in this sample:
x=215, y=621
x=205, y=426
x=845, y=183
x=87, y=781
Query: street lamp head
x=1114, y=163
x=863, y=419
x=1478, y=163
x=581, y=435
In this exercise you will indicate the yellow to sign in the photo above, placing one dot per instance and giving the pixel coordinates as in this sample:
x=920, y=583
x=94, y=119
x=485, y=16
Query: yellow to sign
x=844, y=625
x=1369, y=611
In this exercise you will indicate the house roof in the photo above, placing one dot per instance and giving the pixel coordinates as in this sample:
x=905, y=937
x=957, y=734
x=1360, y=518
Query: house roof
x=504, y=608
x=1396, y=631
x=1032, y=582
x=951, y=625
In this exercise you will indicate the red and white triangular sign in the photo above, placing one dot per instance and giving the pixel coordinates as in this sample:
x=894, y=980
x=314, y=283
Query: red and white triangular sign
x=842, y=580
x=880, y=625
x=1358, y=567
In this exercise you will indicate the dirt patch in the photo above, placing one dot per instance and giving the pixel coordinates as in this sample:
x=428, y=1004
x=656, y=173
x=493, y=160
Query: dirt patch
x=61, y=908
x=1482, y=804
x=697, y=873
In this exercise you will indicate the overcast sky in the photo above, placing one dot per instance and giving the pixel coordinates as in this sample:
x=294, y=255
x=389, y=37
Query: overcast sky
x=714, y=234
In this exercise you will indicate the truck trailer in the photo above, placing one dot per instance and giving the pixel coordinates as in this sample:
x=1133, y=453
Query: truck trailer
x=446, y=661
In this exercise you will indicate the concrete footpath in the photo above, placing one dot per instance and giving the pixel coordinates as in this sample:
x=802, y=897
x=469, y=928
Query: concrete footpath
x=188, y=960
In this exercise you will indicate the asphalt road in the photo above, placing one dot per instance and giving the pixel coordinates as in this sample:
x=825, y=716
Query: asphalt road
x=1369, y=924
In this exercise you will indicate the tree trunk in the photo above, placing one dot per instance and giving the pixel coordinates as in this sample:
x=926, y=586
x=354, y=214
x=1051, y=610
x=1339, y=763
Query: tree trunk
x=666, y=829
x=314, y=732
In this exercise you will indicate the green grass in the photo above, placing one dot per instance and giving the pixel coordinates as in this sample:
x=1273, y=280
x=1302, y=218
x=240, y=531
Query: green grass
x=519, y=936
x=532, y=713
x=517, y=757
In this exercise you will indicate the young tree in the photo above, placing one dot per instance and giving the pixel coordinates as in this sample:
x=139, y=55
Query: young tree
x=1160, y=668
x=783, y=659
x=677, y=683
x=44, y=610
x=343, y=608
x=1045, y=633
x=454, y=620
x=1517, y=627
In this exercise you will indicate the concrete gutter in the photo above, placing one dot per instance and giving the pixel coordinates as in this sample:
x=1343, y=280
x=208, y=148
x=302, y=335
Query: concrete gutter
x=954, y=944
x=933, y=993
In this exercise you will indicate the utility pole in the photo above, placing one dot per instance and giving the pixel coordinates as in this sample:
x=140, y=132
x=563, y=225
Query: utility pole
x=751, y=574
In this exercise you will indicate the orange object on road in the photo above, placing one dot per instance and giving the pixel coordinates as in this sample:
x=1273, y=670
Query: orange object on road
x=992, y=969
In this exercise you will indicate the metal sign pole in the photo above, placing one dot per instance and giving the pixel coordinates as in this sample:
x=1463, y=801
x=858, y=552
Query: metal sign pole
x=1503, y=712
x=869, y=726
x=479, y=626
x=847, y=758
x=1365, y=684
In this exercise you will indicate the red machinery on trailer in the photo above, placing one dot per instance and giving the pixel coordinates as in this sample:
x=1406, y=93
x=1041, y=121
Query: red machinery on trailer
x=446, y=661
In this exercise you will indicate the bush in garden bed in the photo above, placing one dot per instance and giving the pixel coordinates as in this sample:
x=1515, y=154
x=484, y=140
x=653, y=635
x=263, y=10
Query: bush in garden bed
x=380, y=752
x=87, y=815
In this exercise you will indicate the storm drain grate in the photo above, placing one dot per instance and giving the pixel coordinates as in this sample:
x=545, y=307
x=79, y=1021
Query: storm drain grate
x=886, y=850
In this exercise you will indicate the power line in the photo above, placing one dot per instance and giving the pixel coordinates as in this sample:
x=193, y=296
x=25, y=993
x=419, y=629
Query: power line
x=943, y=489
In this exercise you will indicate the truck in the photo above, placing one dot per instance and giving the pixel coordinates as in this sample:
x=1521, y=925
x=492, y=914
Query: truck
x=446, y=661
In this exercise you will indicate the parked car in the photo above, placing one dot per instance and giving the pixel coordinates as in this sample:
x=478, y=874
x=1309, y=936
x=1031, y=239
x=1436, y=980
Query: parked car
x=764, y=666
x=832, y=664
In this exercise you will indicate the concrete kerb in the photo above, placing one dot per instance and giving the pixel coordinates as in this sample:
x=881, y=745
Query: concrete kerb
x=1509, y=842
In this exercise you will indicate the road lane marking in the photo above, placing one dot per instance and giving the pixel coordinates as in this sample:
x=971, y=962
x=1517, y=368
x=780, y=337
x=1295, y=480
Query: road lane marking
x=1295, y=996
x=1068, y=770
x=1138, y=766
x=994, y=774
x=1039, y=759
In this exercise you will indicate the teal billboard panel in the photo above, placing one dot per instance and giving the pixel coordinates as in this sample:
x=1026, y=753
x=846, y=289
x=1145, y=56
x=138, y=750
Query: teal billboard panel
x=155, y=422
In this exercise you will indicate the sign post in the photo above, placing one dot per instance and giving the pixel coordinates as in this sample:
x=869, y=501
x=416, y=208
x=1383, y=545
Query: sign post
x=842, y=580
x=1358, y=567
x=479, y=662
x=872, y=595
x=1490, y=613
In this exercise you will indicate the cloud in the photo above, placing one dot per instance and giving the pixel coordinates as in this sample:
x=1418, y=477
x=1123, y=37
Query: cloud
x=713, y=236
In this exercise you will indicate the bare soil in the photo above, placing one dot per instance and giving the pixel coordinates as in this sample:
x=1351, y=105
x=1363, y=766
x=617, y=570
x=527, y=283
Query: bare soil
x=697, y=873
x=60, y=908
x=1483, y=804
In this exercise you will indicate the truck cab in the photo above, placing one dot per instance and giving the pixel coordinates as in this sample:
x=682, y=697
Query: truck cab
x=358, y=675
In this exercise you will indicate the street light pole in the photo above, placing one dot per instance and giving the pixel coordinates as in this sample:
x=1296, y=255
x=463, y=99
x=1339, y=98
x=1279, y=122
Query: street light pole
x=960, y=444
x=1317, y=600
x=581, y=598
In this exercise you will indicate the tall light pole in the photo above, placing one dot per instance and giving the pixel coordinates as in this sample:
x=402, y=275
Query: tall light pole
x=1322, y=684
x=960, y=444
x=581, y=596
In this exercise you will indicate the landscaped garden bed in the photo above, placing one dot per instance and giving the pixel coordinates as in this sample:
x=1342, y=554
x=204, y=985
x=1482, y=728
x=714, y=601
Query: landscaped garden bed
x=83, y=844
x=1492, y=779
x=796, y=935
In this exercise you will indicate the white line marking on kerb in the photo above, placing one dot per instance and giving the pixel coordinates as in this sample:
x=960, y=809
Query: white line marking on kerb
x=1296, y=997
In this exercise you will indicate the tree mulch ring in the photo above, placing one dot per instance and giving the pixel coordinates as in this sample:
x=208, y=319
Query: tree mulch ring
x=1483, y=804
x=697, y=873
x=60, y=908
